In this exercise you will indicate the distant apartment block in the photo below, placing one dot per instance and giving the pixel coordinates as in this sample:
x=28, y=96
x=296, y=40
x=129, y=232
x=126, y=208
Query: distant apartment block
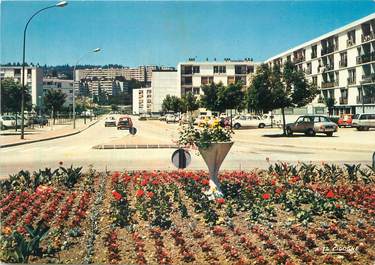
x=142, y=100
x=66, y=86
x=192, y=75
x=33, y=80
x=342, y=65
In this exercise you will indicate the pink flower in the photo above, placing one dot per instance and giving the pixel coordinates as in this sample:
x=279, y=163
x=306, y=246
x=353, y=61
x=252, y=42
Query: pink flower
x=139, y=193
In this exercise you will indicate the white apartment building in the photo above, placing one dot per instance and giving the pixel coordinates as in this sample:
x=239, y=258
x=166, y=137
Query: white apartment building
x=192, y=75
x=163, y=83
x=66, y=86
x=142, y=100
x=342, y=65
x=33, y=79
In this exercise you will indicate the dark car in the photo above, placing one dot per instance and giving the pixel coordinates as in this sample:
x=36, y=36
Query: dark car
x=42, y=120
x=124, y=123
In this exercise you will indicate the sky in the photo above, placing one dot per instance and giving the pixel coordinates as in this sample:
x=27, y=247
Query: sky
x=165, y=33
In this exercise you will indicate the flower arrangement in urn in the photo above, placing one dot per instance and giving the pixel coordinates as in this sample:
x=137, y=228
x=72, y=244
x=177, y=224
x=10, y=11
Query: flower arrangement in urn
x=213, y=143
x=192, y=137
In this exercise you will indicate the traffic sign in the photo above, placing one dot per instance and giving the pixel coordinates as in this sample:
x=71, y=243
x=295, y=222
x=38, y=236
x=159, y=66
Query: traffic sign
x=181, y=158
x=132, y=130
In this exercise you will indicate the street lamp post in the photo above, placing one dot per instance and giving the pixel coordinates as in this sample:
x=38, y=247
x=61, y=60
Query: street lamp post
x=74, y=79
x=59, y=4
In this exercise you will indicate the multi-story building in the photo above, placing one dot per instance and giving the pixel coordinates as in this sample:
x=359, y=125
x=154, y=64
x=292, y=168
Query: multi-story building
x=163, y=83
x=192, y=75
x=33, y=80
x=342, y=65
x=66, y=86
x=142, y=100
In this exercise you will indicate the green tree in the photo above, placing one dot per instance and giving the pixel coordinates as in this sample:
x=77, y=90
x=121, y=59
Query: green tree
x=114, y=107
x=230, y=97
x=173, y=103
x=54, y=101
x=11, y=93
x=190, y=102
x=278, y=88
x=209, y=99
x=330, y=103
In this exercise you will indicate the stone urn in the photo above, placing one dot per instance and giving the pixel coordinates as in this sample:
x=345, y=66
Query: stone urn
x=214, y=156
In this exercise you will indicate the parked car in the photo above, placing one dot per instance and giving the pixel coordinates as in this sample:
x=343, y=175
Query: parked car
x=162, y=118
x=7, y=121
x=42, y=120
x=311, y=125
x=110, y=121
x=124, y=123
x=202, y=120
x=171, y=118
x=250, y=121
x=363, y=122
x=345, y=120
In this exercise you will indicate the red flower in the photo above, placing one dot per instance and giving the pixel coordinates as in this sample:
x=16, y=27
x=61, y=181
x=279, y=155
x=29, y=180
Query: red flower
x=278, y=190
x=150, y=194
x=116, y=195
x=139, y=193
x=330, y=195
x=155, y=182
x=205, y=182
x=220, y=200
x=144, y=182
x=273, y=182
x=116, y=174
x=266, y=196
x=196, y=178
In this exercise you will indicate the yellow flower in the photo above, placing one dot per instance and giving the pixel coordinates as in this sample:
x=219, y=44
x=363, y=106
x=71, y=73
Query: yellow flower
x=7, y=230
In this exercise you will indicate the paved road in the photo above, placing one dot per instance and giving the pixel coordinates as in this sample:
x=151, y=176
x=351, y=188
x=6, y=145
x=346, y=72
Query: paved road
x=250, y=150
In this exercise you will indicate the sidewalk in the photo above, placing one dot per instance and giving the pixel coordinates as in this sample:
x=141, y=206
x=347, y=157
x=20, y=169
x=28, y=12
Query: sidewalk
x=12, y=138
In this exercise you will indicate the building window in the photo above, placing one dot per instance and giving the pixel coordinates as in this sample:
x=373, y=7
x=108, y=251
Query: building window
x=186, y=80
x=240, y=70
x=289, y=58
x=29, y=71
x=230, y=80
x=196, y=69
x=250, y=69
x=17, y=71
x=351, y=76
x=220, y=69
x=315, y=80
x=196, y=90
x=241, y=79
x=186, y=69
x=205, y=80
x=351, y=38
x=314, y=51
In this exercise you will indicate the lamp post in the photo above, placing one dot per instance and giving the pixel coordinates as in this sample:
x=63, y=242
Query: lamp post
x=74, y=79
x=59, y=4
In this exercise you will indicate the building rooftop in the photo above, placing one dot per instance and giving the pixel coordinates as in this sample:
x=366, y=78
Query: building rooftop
x=324, y=36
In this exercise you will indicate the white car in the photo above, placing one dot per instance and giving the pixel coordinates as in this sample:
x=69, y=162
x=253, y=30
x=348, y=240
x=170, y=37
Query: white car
x=250, y=121
x=7, y=121
x=363, y=122
x=110, y=121
x=170, y=118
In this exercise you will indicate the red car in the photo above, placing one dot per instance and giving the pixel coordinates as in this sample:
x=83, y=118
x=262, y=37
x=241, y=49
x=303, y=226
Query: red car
x=345, y=120
x=124, y=123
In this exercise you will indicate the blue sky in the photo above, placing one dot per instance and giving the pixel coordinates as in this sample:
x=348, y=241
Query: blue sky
x=165, y=33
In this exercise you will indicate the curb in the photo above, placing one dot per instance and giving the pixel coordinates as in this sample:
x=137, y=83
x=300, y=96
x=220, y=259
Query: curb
x=135, y=146
x=46, y=139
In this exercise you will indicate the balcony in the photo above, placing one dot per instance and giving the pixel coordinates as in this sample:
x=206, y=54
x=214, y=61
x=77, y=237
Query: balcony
x=328, y=67
x=328, y=49
x=299, y=59
x=343, y=100
x=329, y=84
x=343, y=63
x=365, y=100
x=368, y=37
x=368, y=78
x=350, y=43
x=351, y=81
x=365, y=58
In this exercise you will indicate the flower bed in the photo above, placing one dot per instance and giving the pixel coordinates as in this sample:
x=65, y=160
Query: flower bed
x=288, y=214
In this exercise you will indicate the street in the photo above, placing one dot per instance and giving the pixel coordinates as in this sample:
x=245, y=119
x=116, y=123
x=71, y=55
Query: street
x=251, y=149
